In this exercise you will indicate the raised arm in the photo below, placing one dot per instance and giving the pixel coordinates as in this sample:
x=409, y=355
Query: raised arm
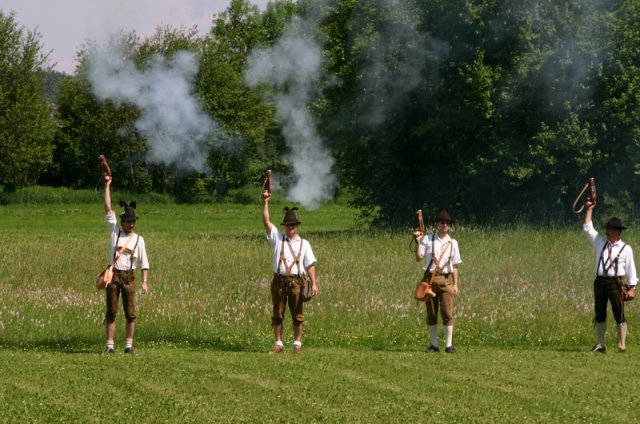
x=265, y=211
x=589, y=214
x=107, y=195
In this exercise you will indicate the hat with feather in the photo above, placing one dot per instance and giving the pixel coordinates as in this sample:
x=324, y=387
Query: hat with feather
x=290, y=216
x=129, y=213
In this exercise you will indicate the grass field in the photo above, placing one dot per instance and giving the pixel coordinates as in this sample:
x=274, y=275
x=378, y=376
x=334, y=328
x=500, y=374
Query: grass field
x=523, y=325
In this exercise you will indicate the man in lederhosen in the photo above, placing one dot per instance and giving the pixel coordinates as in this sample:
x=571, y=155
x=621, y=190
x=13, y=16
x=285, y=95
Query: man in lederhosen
x=292, y=258
x=442, y=257
x=614, y=262
x=134, y=254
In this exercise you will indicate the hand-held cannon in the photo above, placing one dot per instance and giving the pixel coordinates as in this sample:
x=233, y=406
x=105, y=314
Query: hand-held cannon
x=266, y=184
x=105, y=166
x=591, y=186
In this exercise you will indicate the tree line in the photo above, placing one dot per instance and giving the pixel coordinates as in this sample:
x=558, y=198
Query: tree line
x=499, y=110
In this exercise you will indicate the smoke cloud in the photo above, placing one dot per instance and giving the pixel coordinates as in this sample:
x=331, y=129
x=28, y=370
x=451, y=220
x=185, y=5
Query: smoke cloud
x=291, y=67
x=177, y=130
x=398, y=59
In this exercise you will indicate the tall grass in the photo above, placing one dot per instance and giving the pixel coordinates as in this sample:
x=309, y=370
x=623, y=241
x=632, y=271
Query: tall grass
x=211, y=269
x=522, y=326
x=43, y=195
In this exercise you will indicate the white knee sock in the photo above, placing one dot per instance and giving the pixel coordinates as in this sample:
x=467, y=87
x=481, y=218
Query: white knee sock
x=601, y=329
x=448, y=335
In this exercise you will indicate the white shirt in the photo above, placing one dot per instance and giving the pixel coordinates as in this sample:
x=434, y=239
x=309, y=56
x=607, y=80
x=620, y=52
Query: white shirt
x=606, y=261
x=307, y=258
x=118, y=238
x=450, y=259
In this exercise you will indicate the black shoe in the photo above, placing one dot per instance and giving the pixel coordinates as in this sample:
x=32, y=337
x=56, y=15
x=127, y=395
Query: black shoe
x=129, y=351
x=598, y=349
x=107, y=350
x=450, y=349
x=433, y=349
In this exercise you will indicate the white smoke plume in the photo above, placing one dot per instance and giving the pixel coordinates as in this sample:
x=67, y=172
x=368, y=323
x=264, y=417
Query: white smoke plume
x=177, y=130
x=291, y=67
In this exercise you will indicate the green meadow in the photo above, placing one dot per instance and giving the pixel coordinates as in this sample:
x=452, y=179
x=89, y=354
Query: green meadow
x=523, y=325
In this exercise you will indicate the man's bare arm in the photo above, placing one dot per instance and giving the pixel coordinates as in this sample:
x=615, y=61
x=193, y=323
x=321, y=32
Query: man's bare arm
x=107, y=195
x=265, y=212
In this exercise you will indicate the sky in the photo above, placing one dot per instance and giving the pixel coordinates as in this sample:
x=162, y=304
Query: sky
x=66, y=24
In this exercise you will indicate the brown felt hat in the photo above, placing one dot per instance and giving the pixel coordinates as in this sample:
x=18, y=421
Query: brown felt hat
x=443, y=215
x=290, y=216
x=129, y=213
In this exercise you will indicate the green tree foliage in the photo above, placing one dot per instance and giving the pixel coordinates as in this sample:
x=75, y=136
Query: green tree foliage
x=497, y=109
x=255, y=144
x=483, y=107
x=26, y=126
x=89, y=128
x=616, y=111
x=250, y=141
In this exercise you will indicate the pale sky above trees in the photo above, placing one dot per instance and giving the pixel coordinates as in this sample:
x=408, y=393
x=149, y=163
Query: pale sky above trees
x=66, y=24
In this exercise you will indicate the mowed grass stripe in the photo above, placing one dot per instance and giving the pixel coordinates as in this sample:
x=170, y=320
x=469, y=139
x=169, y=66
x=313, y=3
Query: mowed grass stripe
x=165, y=384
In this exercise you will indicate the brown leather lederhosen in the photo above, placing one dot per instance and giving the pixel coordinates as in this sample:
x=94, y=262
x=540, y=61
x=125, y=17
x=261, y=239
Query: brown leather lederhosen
x=442, y=285
x=608, y=289
x=123, y=283
x=285, y=288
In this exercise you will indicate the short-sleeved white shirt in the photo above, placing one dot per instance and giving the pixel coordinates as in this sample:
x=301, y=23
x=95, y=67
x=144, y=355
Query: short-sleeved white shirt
x=605, y=264
x=118, y=238
x=451, y=257
x=307, y=258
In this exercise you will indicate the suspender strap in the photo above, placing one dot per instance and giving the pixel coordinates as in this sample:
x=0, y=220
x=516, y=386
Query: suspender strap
x=601, y=261
x=133, y=250
x=117, y=254
x=444, y=250
x=610, y=262
x=433, y=251
x=296, y=261
x=615, y=264
x=433, y=237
